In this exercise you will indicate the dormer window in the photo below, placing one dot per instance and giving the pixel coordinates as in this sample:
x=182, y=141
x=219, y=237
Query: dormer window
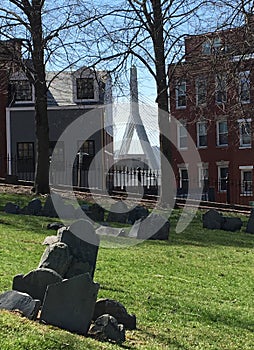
x=21, y=90
x=85, y=88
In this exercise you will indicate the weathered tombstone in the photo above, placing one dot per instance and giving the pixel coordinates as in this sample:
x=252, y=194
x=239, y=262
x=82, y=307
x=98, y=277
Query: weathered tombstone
x=110, y=231
x=70, y=304
x=212, y=220
x=35, y=282
x=48, y=208
x=96, y=213
x=250, y=223
x=107, y=328
x=154, y=227
x=34, y=207
x=83, y=244
x=137, y=213
x=11, y=208
x=56, y=257
x=55, y=225
x=118, y=212
x=50, y=240
x=14, y=300
x=231, y=224
x=116, y=309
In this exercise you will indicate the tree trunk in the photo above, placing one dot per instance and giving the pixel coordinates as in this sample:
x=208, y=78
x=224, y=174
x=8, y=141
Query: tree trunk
x=41, y=184
x=162, y=101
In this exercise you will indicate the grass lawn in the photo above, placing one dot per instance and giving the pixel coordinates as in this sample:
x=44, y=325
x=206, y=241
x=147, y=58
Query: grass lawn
x=193, y=292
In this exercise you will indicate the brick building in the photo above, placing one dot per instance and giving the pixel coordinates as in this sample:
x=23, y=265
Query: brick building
x=212, y=99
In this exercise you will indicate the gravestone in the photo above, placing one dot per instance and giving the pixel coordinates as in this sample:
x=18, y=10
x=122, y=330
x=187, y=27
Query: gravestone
x=55, y=225
x=231, y=224
x=107, y=328
x=96, y=213
x=14, y=300
x=137, y=213
x=212, y=220
x=50, y=240
x=116, y=309
x=118, y=212
x=83, y=244
x=35, y=282
x=56, y=257
x=250, y=223
x=11, y=208
x=48, y=208
x=70, y=304
x=34, y=207
x=154, y=227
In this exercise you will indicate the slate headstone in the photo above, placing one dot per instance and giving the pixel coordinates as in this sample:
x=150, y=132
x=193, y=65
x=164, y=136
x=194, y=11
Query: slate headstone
x=154, y=227
x=212, y=220
x=48, y=208
x=35, y=282
x=83, y=244
x=231, y=224
x=137, y=213
x=56, y=257
x=14, y=300
x=118, y=212
x=106, y=328
x=55, y=225
x=34, y=207
x=11, y=208
x=250, y=223
x=70, y=304
x=96, y=213
x=116, y=309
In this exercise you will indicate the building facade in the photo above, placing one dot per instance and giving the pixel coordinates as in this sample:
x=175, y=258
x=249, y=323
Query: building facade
x=84, y=97
x=212, y=100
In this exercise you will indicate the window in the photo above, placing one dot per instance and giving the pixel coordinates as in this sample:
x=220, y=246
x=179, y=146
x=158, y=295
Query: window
x=222, y=178
x=245, y=133
x=206, y=47
x=203, y=176
x=182, y=136
x=85, y=88
x=244, y=87
x=87, y=148
x=184, y=180
x=21, y=90
x=222, y=133
x=59, y=157
x=201, y=134
x=246, y=180
x=220, y=88
x=201, y=87
x=25, y=157
x=181, y=94
x=213, y=46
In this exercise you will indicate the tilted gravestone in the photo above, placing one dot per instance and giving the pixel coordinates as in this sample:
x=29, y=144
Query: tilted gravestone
x=14, y=300
x=118, y=212
x=154, y=227
x=35, y=282
x=96, y=213
x=137, y=213
x=34, y=207
x=56, y=257
x=11, y=208
x=212, y=220
x=83, y=243
x=70, y=304
x=250, y=223
x=116, y=309
x=231, y=224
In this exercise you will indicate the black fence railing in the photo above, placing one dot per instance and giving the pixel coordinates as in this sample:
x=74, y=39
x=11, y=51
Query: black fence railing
x=131, y=180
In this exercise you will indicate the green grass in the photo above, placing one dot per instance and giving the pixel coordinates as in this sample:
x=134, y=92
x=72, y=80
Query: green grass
x=193, y=292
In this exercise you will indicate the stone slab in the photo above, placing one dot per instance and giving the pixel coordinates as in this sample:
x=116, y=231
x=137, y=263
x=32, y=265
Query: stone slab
x=35, y=282
x=70, y=304
x=14, y=300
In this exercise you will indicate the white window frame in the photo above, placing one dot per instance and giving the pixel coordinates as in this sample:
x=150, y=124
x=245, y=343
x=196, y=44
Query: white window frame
x=244, y=169
x=200, y=135
x=221, y=88
x=241, y=122
x=181, y=92
x=244, y=80
x=182, y=133
x=180, y=169
x=224, y=166
x=218, y=133
x=203, y=174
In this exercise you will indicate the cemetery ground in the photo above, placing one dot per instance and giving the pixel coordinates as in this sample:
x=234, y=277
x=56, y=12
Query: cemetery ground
x=194, y=291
